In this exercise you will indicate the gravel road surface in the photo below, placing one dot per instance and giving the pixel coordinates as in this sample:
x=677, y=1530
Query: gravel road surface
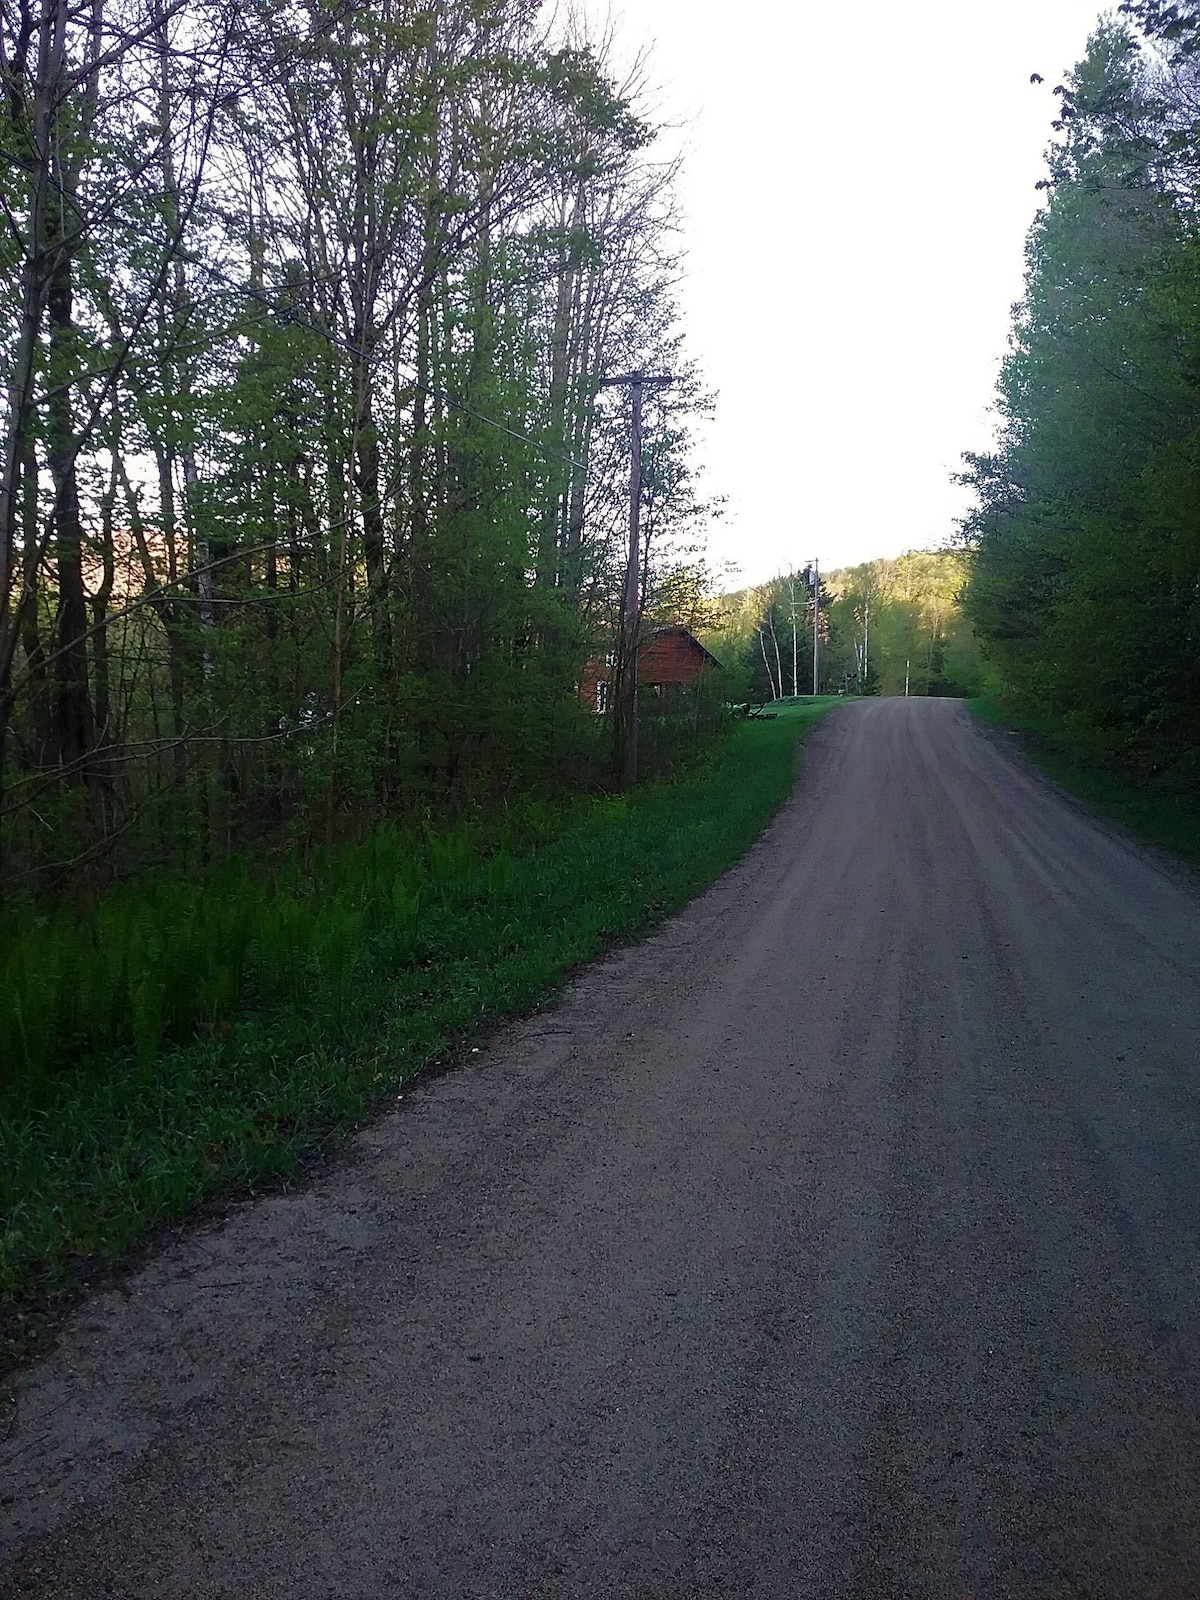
x=840, y=1241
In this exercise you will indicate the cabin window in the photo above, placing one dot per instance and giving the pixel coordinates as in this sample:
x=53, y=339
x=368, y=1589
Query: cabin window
x=602, y=696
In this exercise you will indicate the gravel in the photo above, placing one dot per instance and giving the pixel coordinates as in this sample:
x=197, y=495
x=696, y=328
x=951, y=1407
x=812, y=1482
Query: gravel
x=841, y=1240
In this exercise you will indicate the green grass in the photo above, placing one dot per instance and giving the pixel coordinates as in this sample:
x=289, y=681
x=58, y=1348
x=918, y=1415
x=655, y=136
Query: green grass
x=224, y=1032
x=1170, y=820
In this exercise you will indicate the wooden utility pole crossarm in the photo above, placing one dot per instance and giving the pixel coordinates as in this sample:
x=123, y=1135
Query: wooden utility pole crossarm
x=625, y=707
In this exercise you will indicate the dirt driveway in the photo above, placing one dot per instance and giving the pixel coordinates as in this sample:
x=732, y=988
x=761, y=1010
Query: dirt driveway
x=843, y=1240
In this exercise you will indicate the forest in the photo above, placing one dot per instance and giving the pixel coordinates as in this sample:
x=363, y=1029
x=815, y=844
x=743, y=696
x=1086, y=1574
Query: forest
x=1085, y=542
x=885, y=627
x=314, y=482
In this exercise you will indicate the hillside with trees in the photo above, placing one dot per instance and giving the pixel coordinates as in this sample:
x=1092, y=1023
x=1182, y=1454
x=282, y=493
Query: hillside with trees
x=312, y=492
x=886, y=627
x=1085, y=575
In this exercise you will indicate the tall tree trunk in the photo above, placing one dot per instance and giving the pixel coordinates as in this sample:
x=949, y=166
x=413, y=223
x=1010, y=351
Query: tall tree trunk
x=100, y=599
x=168, y=608
x=762, y=644
x=74, y=721
x=42, y=119
x=559, y=515
x=795, y=640
x=367, y=482
x=37, y=670
x=778, y=662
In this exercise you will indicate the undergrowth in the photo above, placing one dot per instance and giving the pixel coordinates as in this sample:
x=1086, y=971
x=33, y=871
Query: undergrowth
x=186, y=1041
x=1169, y=818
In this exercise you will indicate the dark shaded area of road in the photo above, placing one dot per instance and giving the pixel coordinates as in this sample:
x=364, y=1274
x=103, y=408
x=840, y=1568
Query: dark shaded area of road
x=841, y=1241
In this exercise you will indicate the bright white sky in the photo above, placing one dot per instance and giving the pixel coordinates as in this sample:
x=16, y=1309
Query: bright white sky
x=859, y=181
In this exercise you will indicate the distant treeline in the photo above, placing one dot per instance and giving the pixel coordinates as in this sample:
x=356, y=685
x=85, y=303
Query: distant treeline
x=1085, y=582
x=312, y=490
x=886, y=627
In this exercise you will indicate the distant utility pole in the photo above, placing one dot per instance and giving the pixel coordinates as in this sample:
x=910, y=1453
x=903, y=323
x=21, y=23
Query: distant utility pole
x=625, y=702
x=816, y=628
x=812, y=574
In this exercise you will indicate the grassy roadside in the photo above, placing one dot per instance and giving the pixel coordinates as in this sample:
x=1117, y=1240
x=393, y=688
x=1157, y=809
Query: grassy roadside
x=1171, y=821
x=95, y=1156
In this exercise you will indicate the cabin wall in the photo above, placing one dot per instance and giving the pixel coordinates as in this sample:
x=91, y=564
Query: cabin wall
x=664, y=661
x=671, y=658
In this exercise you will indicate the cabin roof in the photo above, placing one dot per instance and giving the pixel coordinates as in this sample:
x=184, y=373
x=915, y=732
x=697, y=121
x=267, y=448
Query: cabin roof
x=685, y=633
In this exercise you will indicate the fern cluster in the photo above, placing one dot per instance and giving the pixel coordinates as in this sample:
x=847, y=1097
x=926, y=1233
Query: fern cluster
x=161, y=962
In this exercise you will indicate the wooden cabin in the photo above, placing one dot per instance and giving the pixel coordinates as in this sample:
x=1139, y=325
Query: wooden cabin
x=669, y=659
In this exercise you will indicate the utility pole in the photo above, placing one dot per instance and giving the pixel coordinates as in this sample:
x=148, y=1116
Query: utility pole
x=816, y=629
x=625, y=698
x=813, y=574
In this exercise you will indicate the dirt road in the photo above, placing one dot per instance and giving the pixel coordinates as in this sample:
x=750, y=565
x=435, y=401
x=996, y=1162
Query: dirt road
x=841, y=1241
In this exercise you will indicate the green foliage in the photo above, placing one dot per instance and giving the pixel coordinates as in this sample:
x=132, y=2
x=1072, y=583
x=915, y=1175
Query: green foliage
x=353, y=975
x=162, y=961
x=353, y=497
x=884, y=624
x=1085, y=580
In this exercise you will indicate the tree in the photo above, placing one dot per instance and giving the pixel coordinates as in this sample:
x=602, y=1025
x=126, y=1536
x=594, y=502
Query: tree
x=312, y=499
x=1085, y=581
x=875, y=618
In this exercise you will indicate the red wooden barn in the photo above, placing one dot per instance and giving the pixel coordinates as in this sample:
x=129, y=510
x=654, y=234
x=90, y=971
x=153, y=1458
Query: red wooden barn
x=667, y=660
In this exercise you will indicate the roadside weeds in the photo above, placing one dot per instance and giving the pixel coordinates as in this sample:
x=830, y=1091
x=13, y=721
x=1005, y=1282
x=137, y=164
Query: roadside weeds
x=107, y=1155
